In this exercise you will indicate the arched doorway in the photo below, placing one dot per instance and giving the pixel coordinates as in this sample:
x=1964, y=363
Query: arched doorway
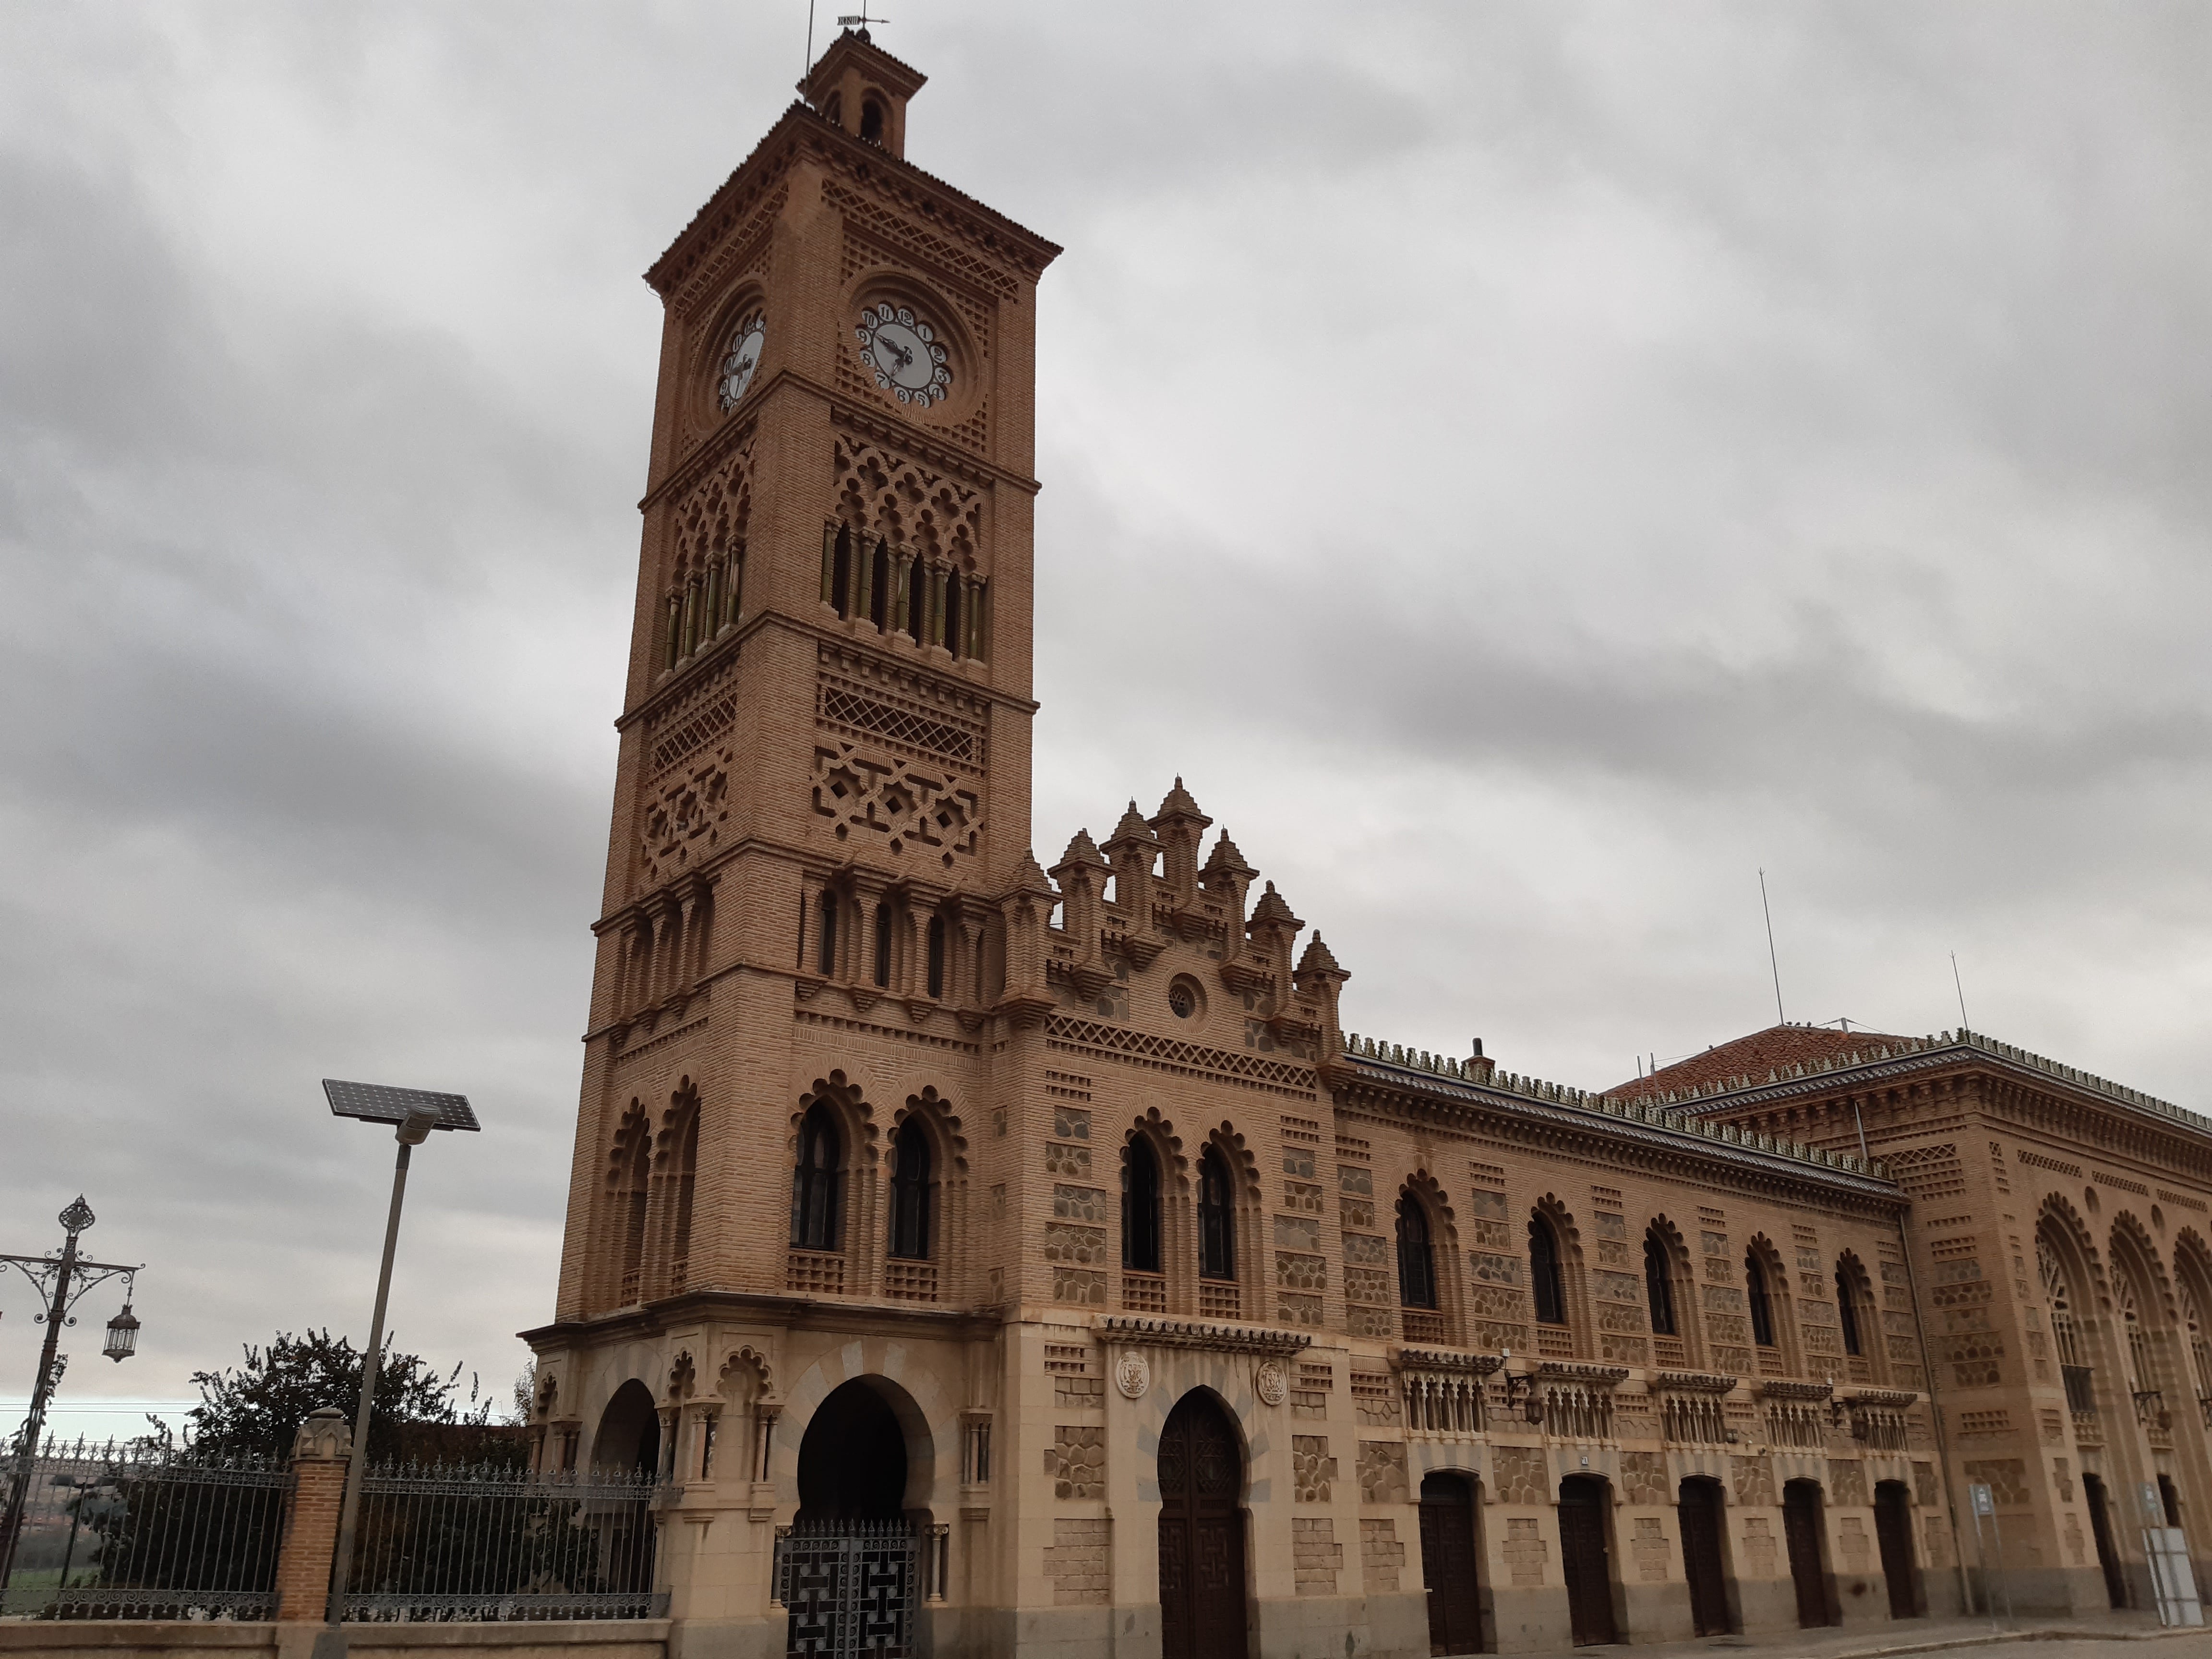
x=629, y=1431
x=1893, y=1531
x=1449, y=1561
x=1583, y=1504
x=2100, y=1528
x=853, y=1460
x=1201, y=1471
x=1801, y=1527
x=628, y=1442
x=1704, y=1564
x=850, y=1570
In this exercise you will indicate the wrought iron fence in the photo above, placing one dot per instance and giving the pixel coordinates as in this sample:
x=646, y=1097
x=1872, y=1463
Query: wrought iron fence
x=146, y=1531
x=482, y=1542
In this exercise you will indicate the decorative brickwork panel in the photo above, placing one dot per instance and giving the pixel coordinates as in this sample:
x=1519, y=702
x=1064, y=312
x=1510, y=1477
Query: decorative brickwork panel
x=1352, y=1181
x=1367, y=1284
x=1618, y=1317
x=1973, y=1359
x=1367, y=1251
x=1723, y=1300
x=1086, y=1204
x=1309, y=1398
x=1365, y=1319
x=1751, y=1480
x=1312, y=1468
x=1487, y=1268
x=1623, y=1350
x=1648, y=1549
x=1071, y=1123
x=1380, y=1557
x=1079, y=1392
x=1374, y=1399
x=2006, y=1478
x=1924, y=1483
x=1822, y=1340
x=1296, y=1232
x=1643, y=1477
x=1316, y=1556
x=1067, y=1160
x=1522, y=1473
x=908, y=807
x=1847, y=1485
x=1383, y=1472
x=1294, y=1310
x=1526, y=1554
x=1295, y=1271
x=1078, y=1247
x=1076, y=1564
x=1304, y=1198
x=1075, y=1462
x=1078, y=1286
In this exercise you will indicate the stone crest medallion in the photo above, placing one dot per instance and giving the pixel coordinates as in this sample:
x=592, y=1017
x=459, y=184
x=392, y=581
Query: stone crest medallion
x=1269, y=1383
x=1132, y=1374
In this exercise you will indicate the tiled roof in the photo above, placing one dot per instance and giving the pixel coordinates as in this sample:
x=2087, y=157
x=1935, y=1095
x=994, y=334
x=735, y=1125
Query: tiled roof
x=1754, y=1058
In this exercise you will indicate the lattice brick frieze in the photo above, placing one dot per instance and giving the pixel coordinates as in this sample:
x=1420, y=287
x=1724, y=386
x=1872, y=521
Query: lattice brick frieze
x=892, y=497
x=958, y=741
x=913, y=808
x=685, y=818
x=1168, y=1053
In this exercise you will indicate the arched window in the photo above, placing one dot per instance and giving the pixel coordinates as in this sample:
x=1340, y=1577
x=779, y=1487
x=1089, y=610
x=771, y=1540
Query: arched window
x=637, y=1183
x=1140, y=1206
x=882, y=945
x=952, y=619
x=1417, y=1266
x=826, y=955
x=910, y=1194
x=687, y=1177
x=1762, y=1309
x=1217, y=1255
x=2142, y=1368
x=2200, y=1349
x=937, y=956
x=841, y=573
x=871, y=122
x=814, y=1184
x=1659, y=1283
x=879, y=582
x=1847, y=1309
x=1544, y=1279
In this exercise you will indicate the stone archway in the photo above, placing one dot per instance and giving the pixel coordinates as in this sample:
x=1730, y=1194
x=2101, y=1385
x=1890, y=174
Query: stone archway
x=853, y=1460
x=629, y=1431
x=852, y=1569
x=1202, y=1584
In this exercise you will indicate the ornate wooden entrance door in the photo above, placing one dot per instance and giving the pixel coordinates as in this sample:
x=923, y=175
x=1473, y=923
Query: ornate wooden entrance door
x=1801, y=1526
x=1582, y=1552
x=1700, y=1512
x=1893, y=1531
x=1201, y=1534
x=1448, y=1565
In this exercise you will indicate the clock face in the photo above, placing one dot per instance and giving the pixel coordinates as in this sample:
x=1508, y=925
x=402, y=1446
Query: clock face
x=744, y=357
x=903, y=353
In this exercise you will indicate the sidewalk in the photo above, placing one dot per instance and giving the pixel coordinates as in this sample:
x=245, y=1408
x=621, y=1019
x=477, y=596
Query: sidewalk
x=2082, y=1636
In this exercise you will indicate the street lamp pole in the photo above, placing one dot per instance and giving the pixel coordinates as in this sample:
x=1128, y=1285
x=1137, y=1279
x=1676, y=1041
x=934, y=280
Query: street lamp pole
x=69, y=1277
x=414, y=1112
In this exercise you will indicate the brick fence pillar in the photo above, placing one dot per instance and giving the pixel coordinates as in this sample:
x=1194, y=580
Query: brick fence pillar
x=319, y=1455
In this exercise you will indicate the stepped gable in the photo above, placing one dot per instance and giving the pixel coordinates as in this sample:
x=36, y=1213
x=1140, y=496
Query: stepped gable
x=1752, y=1058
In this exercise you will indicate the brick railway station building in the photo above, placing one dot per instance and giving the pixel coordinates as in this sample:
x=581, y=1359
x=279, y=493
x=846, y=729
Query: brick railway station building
x=1003, y=1261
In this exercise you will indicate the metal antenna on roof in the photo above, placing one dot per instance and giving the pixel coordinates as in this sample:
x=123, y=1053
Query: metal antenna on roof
x=1959, y=989
x=809, y=69
x=1772, y=962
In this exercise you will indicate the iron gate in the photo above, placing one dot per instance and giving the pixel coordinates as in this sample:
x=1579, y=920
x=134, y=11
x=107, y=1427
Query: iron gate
x=854, y=1587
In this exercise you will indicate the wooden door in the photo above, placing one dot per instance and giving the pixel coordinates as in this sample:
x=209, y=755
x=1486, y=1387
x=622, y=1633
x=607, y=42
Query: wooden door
x=1801, y=1526
x=1448, y=1565
x=1701, y=1519
x=1201, y=1469
x=2100, y=1527
x=1893, y=1531
x=1582, y=1552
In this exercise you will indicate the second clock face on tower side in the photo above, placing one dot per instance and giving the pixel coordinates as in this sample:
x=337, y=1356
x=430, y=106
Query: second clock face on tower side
x=744, y=357
x=904, y=353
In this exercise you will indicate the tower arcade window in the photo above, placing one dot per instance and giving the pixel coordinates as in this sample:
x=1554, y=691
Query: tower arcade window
x=1417, y=1266
x=882, y=945
x=1762, y=1306
x=1544, y=1279
x=814, y=1183
x=1216, y=1251
x=1847, y=1309
x=909, y=1239
x=1659, y=1284
x=937, y=956
x=826, y=955
x=687, y=1180
x=1140, y=1206
x=871, y=122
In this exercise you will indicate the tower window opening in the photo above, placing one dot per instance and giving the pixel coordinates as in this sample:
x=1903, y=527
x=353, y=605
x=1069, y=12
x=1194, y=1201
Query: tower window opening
x=953, y=587
x=1543, y=1280
x=1217, y=1257
x=871, y=122
x=1659, y=1284
x=840, y=574
x=1847, y=1312
x=1762, y=1306
x=937, y=956
x=1416, y=1267
x=879, y=584
x=909, y=1239
x=882, y=945
x=675, y=630
x=826, y=955
x=1140, y=1206
x=814, y=1183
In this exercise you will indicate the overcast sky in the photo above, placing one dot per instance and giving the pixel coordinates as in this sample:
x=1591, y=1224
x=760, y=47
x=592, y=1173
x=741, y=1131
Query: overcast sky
x=1527, y=467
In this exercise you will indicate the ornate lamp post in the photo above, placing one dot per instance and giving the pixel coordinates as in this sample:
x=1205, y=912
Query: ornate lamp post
x=63, y=1277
